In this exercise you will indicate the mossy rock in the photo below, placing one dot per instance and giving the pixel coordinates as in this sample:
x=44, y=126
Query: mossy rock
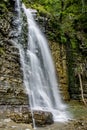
x=2, y=52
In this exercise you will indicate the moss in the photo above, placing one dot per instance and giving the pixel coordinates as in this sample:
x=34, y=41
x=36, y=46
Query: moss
x=40, y=8
x=2, y=52
x=77, y=109
x=73, y=43
x=3, y=8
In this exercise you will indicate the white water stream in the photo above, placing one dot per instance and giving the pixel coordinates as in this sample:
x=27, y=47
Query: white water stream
x=39, y=73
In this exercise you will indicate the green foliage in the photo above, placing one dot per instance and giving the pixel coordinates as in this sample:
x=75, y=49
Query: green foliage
x=63, y=39
x=67, y=17
x=2, y=51
x=73, y=43
x=44, y=6
x=3, y=8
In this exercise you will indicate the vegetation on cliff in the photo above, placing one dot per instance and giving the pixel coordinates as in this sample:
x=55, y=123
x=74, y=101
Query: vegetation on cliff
x=67, y=17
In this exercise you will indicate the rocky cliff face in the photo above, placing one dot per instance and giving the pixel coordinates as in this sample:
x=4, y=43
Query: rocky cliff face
x=70, y=59
x=68, y=63
x=11, y=79
x=77, y=65
x=59, y=58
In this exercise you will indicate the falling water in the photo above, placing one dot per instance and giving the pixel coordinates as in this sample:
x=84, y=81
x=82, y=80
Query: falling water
x=18, y=18
x=39, y=73
x=38, y=70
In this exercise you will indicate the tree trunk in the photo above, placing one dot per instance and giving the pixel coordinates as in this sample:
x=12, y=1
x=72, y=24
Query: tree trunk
x=81, y=86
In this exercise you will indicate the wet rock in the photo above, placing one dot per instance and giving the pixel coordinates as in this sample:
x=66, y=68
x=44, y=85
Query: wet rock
x=11, y=76
x=25, y=116
x=59, y=58
x=11, y=79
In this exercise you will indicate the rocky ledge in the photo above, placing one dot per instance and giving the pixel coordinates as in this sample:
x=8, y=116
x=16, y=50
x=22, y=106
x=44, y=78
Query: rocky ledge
x=22, y=114
x=40, y=118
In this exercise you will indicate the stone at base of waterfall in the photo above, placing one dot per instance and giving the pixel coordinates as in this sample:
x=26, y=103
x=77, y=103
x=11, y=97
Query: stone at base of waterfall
x=41, y=118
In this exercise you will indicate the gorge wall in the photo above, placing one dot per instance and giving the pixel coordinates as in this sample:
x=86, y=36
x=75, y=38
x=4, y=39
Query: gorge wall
x=68, y=61
x=11, y=79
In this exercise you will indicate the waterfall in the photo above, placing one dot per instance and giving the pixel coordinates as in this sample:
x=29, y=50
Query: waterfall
x=38, y=71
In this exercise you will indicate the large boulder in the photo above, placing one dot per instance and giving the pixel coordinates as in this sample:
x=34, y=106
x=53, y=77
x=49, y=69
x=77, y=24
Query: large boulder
x=24, y=115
